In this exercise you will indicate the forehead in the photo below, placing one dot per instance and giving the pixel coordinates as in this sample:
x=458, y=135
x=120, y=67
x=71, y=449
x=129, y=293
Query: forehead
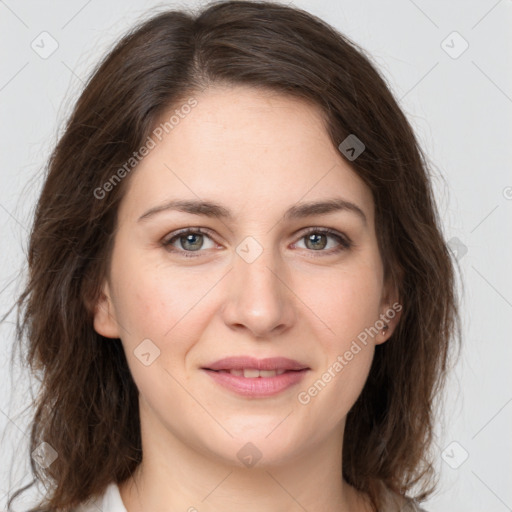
x=253, y=149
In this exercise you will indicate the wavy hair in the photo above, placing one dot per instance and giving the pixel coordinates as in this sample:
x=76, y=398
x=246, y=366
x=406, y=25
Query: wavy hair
x=87, y=406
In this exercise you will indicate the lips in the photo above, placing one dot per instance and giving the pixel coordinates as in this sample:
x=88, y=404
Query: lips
x=249, y=365
x=256, y=378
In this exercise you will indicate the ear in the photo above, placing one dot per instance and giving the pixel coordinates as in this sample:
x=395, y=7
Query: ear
x=390, y=312
x=105, y=322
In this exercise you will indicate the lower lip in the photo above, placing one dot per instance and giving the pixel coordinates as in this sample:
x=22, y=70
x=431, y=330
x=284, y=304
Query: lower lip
x=257, y=386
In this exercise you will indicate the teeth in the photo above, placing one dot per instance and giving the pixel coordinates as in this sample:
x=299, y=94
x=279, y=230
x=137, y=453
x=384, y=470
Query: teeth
x=252, y=373
x=268, y=373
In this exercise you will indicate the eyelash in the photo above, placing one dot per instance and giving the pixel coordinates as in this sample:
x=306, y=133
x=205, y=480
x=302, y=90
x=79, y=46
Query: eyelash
x=344, y=241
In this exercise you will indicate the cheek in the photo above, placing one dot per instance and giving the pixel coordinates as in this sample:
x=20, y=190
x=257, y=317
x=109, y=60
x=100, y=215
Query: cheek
x=160, y=320
x=347, y=304
x=345, y=300
x=163, y=305
x=336, y=390
x=148, y=303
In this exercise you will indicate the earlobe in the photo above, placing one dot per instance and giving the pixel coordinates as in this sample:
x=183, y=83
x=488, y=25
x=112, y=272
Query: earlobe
x=390, y=314
x=390, y=317
x=105, y=322
x=383, y=335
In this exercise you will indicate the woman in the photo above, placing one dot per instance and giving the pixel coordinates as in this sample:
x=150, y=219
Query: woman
x=239, y=291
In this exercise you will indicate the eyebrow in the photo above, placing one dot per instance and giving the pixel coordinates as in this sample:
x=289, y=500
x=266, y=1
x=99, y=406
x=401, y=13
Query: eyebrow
x=216, y=210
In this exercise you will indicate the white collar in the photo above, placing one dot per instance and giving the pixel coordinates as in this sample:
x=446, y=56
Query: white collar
x=111, y=501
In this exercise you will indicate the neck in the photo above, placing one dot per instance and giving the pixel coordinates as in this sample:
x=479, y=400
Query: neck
x=175, y=476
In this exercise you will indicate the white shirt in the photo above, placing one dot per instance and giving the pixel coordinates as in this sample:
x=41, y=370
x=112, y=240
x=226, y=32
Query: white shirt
x=109, y=501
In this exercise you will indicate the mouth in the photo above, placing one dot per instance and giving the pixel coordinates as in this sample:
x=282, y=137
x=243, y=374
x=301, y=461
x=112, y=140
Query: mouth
x=254, y=373
x=254, y=383
x=248, y=365
x=251, y=377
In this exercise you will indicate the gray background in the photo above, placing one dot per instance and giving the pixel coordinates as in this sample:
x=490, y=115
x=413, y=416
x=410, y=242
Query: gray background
x=460, y=105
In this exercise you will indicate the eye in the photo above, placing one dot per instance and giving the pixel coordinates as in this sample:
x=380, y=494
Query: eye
x=316, y=240
x=188, y=241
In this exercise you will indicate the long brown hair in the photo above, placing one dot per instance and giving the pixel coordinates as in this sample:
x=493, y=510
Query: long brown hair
x=87, y=405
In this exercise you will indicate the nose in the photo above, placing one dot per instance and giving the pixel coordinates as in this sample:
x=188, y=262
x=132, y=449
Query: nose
x=259, y=299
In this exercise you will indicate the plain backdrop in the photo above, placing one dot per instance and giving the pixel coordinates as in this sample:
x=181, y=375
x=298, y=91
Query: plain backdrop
x=449, y=66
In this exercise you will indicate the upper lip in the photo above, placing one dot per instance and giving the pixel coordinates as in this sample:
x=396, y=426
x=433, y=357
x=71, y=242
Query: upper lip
x=245, y=362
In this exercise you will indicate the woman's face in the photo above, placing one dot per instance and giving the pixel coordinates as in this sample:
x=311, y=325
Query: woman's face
x=260, y=280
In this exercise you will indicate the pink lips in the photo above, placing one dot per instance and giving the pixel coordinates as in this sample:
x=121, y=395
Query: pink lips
x=256, y=386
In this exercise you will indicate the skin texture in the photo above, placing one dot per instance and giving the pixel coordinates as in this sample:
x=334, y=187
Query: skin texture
x=257, y=153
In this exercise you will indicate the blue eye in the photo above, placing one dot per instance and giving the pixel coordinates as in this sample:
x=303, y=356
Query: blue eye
x=191, y=240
